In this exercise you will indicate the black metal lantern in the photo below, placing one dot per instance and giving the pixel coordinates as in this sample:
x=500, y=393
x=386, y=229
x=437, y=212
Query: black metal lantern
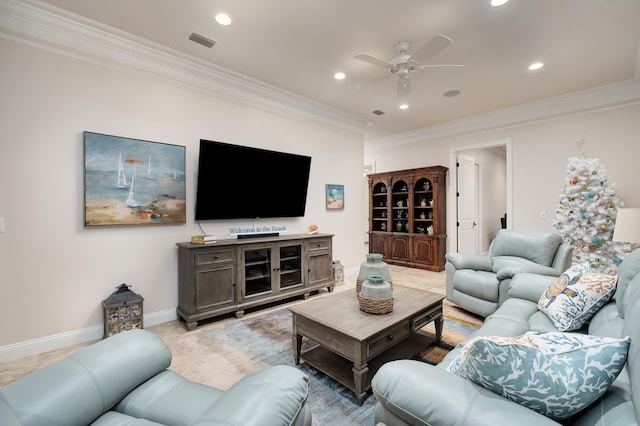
x=122, y=311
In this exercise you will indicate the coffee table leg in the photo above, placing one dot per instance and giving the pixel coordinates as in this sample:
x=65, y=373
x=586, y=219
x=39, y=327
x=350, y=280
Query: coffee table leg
x=297, y=347
x=360, y=375
x=438, y=325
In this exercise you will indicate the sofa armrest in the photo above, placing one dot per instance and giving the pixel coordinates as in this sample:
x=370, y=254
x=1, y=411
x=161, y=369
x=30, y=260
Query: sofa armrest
x=530, y=286
x=469, y=261
x=273, y=396
x=416, y=390
x=511, y=271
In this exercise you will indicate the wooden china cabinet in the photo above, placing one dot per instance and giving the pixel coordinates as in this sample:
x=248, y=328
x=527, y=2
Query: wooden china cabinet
x=407, y=217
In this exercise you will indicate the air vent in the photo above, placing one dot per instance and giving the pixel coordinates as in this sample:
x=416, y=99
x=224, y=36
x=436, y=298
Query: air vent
x=377, y=112
x=201, y=40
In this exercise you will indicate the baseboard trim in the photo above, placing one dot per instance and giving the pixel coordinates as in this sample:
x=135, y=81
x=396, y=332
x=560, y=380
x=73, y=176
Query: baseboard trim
x=74, y=337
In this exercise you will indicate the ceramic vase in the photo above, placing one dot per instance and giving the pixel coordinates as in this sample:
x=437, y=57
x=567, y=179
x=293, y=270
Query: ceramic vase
x=376, y=288
x=373, y=266
x=376, y=296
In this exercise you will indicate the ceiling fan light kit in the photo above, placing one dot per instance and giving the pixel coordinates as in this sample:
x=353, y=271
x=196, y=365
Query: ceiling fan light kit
x=404, y=64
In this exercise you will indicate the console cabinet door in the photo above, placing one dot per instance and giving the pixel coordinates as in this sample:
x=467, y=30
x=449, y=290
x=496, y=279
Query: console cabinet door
x=320, y=265
x=289, y=272
x=214, y=279
x=257, y=273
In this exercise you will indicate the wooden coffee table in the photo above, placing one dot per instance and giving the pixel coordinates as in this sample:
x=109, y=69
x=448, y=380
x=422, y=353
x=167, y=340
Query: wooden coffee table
x=353, y=344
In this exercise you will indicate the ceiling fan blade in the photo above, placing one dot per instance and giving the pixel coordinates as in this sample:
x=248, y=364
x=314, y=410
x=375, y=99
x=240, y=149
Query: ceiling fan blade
x=431, y=48
x=367, y=83
x=375, y=61
x=404, y=86
x=422, y=67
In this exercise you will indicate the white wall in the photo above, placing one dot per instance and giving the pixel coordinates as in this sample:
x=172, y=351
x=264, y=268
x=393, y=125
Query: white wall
x=540, y=153
x=55, y=272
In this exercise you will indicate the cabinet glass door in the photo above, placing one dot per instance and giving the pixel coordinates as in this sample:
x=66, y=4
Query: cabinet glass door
x=400, y=206
x=257, y=271
x=379, y=205
x=423, y=207
x=290, y=266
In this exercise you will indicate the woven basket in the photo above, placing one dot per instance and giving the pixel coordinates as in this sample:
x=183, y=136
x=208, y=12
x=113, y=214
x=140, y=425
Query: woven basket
x=376, y=306
x=359, y=284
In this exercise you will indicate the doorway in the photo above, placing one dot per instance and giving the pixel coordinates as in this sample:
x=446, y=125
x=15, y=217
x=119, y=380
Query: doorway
x=479, y=195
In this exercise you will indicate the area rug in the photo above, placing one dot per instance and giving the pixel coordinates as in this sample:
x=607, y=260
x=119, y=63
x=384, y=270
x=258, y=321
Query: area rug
x=234, y=349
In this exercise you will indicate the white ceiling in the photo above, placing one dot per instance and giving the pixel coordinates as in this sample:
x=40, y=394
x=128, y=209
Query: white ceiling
x=297, y=45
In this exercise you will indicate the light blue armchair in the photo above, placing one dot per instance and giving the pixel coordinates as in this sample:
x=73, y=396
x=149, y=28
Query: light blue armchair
x=479, y=283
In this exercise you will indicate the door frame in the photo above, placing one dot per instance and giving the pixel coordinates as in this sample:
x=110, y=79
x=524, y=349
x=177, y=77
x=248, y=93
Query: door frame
x=452, y=209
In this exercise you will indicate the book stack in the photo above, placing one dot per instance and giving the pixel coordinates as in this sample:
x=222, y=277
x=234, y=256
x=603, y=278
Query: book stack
x=203, y=239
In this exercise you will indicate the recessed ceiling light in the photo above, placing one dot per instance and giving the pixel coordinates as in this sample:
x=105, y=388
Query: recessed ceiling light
x=223, y=18
x=339, y=76
x=451, y=93
x=404, y=106
x=496, y=3
x=535, y=66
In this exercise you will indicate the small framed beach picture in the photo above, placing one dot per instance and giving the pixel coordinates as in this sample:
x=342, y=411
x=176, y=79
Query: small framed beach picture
x=132, y=182
x=335, y=197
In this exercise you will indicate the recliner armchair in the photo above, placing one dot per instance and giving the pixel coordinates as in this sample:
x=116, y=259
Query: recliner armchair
x=479, y=283
x=125, y=380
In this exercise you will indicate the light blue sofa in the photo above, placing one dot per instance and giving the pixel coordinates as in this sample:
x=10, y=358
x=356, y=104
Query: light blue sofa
x=415, y=393
x=125, y=381
x=479, y=283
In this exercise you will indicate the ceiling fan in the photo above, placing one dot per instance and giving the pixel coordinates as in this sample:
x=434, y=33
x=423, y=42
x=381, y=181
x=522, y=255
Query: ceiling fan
x=405, y=64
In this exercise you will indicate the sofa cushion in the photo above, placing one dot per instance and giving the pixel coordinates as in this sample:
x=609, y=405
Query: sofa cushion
x=504, y=263
x=480, y=284
x=556, y=374
x=576, y=296
x=538, y=247
x=113, y=418
x=169, y=398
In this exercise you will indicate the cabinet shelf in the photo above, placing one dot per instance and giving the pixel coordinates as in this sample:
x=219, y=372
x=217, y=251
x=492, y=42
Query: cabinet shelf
x=252, y=277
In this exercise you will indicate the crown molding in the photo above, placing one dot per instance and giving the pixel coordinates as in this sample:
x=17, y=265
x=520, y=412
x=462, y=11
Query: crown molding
x=594, y=99
x=45, y=26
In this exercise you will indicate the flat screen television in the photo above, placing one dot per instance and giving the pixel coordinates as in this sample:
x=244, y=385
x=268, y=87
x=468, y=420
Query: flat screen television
x=239, y=182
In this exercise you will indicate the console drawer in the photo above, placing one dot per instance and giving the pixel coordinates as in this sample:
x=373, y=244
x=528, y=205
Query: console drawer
x=319, y=244
x=213, y=257
x=381, y=343
x=425, y=318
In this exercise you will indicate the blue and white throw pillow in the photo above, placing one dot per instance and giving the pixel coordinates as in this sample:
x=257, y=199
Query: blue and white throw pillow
x=576, y=296
x=556, y=374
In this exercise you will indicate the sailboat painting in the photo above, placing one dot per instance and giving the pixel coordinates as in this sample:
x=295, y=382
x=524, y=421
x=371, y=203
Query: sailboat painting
x=132, y=182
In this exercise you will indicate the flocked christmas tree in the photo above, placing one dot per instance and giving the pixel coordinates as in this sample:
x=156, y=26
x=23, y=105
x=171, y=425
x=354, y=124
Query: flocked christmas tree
x=586, y=215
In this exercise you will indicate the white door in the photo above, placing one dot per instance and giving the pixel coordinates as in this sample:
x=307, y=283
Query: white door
x=467, y=204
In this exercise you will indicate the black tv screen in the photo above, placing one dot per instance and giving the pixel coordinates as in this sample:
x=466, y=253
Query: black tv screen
x=239, y=182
